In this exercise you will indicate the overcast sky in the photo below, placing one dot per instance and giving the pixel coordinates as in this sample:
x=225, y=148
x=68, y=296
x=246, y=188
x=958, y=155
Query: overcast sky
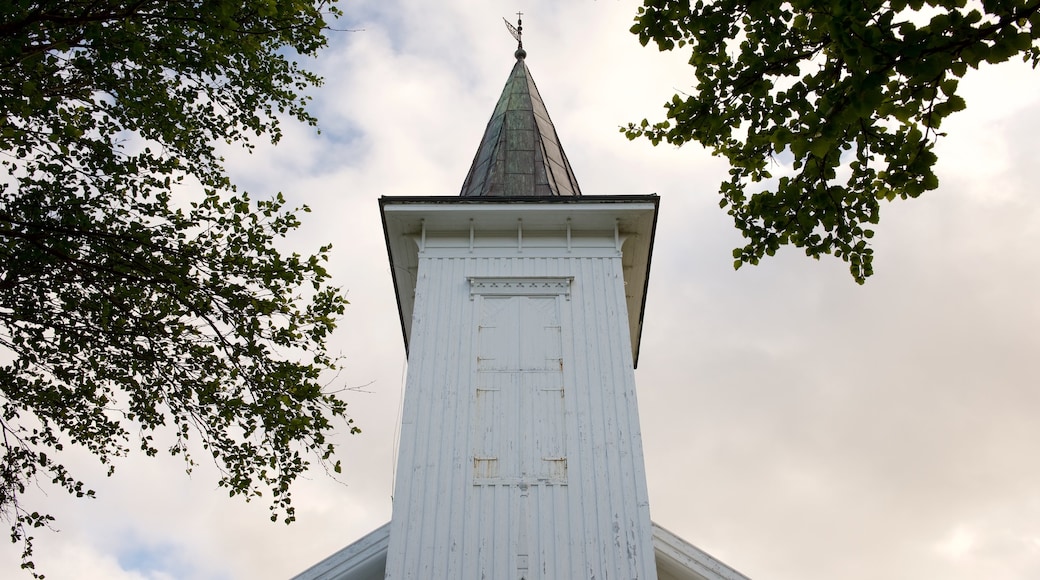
x=795, y=425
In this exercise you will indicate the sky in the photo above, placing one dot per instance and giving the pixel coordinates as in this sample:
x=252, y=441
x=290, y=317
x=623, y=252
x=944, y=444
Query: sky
x=795, y=424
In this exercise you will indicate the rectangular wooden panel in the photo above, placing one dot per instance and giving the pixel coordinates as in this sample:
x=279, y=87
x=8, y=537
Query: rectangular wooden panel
x=519, y=406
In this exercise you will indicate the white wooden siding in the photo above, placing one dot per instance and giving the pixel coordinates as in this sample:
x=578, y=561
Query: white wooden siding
x=520, y=446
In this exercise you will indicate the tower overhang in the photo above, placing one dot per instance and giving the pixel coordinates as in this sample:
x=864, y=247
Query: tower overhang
x=412, y=225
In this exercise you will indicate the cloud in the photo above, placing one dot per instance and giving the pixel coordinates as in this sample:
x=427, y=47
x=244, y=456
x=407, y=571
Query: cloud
x=795, y=425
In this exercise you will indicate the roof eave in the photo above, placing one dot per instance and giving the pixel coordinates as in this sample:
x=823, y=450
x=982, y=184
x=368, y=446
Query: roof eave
x=403, y=218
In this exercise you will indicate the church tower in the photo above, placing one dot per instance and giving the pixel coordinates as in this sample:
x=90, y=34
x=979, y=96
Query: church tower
x=521, y=305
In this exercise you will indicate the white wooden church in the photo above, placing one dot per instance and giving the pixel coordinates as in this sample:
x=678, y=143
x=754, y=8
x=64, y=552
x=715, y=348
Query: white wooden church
x=521, y=302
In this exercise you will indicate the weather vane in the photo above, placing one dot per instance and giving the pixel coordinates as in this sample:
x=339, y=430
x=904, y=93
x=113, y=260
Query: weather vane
x=517, y=32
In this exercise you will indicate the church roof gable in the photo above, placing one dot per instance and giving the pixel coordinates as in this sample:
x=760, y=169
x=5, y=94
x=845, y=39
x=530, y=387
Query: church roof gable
x=676, y=559
x=365, y=559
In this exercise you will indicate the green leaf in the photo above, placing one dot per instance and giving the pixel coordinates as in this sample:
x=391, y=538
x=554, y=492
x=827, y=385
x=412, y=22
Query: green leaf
x=119, y=285
x=821, y=147
x=848, y=96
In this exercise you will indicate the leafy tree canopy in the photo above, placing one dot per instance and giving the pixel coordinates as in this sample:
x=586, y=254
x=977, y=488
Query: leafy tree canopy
x=133, y=312
x=850, y=93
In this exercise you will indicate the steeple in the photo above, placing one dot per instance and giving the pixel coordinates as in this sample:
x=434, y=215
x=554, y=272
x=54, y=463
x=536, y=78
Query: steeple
x=520, y=154
x=520, y=452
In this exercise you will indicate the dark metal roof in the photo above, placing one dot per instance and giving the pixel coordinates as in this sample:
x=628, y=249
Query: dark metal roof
x=520, y=154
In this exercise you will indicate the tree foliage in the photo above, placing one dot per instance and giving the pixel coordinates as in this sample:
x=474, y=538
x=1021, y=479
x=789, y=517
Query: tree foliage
x=850, y=93
x=132, y=312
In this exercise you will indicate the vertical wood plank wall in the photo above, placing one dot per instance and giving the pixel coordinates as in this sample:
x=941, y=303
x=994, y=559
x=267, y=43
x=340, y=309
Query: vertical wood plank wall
x=455, y=518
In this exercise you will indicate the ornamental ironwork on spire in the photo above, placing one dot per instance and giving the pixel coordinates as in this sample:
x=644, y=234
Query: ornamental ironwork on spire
x=520, y=154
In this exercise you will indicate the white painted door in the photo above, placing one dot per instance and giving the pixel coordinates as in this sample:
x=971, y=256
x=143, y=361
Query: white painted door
x=519, y=401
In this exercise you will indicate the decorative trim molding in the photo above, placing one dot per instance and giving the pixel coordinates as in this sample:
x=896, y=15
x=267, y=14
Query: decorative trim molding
x=521, y=286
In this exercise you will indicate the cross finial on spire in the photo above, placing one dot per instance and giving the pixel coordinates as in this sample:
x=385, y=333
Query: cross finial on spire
x=517, y=32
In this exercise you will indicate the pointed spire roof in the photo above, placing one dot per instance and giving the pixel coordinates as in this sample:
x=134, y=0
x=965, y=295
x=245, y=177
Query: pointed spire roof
x=520, y=154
